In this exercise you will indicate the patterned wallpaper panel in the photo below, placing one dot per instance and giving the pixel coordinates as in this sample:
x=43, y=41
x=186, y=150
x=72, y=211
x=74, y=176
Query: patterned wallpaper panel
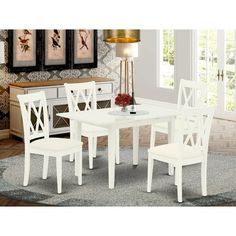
x=108, y=66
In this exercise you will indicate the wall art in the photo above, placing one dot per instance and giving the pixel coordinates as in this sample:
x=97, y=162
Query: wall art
x=55, y=49
x=24, y=50
x=83, y=48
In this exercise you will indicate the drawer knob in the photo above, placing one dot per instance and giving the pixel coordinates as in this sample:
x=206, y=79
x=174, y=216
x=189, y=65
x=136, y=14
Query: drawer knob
x=99, y=90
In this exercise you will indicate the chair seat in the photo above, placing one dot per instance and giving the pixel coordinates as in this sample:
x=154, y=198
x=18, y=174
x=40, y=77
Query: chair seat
x=91, y=130
x=55, y=145
x=175, y=151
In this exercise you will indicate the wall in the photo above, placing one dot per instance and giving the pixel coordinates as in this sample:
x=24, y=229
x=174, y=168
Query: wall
x=108, y=66
x=146, y=65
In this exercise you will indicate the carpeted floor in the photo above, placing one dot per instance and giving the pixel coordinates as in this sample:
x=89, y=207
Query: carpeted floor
x=130, y=188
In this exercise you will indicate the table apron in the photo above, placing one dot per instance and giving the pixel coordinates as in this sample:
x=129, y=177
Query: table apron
x=138, y=123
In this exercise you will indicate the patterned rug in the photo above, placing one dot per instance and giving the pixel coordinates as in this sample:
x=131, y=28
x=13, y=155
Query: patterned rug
x=130, y=188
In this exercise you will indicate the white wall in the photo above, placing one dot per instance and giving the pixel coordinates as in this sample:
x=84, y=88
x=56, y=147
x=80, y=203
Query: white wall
x=146, y=65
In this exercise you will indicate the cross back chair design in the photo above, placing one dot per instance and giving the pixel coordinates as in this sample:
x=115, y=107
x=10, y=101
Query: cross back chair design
x=190, y=94
x=36, y=138
x=192, y=149
x=78, y=93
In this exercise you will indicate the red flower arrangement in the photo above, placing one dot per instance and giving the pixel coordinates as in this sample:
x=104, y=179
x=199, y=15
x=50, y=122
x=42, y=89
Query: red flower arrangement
x=123, y=99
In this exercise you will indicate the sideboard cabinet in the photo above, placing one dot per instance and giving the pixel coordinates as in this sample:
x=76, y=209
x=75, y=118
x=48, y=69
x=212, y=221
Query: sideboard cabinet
x=56, y=100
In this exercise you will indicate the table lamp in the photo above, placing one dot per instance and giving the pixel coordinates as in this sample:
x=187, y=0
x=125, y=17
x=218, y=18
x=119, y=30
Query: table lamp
x=127, y=52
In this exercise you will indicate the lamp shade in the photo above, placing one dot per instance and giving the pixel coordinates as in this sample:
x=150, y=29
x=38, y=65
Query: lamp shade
x=2, y=53
x=127, y=50
x=121, y=36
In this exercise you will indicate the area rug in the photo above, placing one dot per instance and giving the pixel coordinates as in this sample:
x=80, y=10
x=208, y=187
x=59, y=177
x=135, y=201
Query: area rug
x=130, y=187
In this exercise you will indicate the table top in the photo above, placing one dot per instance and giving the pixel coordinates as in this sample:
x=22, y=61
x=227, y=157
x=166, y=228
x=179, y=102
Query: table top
x=101, y=117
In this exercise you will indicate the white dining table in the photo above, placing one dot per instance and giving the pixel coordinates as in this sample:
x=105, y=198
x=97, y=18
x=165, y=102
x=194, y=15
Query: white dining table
x=113, y=120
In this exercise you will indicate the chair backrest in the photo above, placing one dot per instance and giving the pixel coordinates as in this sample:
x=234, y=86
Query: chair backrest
x=191, y=94
x=34, y=115
x=81, y=93
x=195, y=126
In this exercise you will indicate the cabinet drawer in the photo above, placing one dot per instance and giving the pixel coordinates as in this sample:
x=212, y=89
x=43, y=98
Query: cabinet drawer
x=62, y=92
x=100, y=89
x=104, y=88
x=50, y=92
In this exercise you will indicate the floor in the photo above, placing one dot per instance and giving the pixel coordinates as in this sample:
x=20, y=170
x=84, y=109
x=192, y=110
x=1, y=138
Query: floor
x=12, y=147
x=222, y=139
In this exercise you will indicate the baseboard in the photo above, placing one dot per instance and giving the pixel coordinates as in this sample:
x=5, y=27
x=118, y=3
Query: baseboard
x=4, y=134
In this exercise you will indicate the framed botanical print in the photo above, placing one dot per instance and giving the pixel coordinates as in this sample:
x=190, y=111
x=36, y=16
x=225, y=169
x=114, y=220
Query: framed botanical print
x=84, y=48
x=55, y=48
x=24, y=51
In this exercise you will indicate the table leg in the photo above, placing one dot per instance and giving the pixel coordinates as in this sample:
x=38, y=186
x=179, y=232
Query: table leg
x=171, y=133
x=111, y=157
x=135, y=145
x=118, y=147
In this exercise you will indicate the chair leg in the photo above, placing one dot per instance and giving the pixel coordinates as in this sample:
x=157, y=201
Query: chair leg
x=59, y=173
x=90, y=151
x=78, y=166
x=45, y=167
x=204, y=178
x=71, y=158
x=72, y=129
x=179, y=182
x=94, y=147
x=117, y=147
x=27, y=168
x=153, y=137
x=150, y=172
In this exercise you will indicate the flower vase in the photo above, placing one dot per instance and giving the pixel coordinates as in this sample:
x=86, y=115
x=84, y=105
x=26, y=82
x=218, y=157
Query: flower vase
x=124, y=108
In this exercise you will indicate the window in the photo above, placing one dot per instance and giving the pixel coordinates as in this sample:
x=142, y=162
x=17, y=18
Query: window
x=216, y=66
x=166, y=59
x=208, y=62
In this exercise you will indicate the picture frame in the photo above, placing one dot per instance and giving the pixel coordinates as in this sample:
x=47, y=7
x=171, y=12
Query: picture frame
x=83, y=48
x=55, y=49
x=24, y=50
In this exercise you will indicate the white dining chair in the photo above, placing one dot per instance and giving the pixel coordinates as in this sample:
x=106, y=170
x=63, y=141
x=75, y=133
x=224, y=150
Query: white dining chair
x=36, y=139
x=192, y=149
x=82, y=96
x=190, y=94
